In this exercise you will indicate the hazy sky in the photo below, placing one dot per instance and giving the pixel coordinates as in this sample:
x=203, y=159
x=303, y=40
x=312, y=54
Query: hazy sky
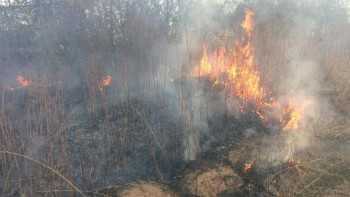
x=346, y=3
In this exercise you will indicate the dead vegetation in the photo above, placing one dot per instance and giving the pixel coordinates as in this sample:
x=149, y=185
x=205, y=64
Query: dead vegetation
x=147, y=189
x=104, y=137
x=211, y=182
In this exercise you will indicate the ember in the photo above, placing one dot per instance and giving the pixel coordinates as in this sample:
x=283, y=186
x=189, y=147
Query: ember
x=23, y=83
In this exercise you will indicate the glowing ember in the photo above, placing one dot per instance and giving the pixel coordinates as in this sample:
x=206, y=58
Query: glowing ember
x=105, y=82
x=248, y=166
x=23, y=83
x=293, y=161
x=10, y=88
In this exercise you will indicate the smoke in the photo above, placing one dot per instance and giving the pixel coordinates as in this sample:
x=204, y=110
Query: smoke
x=289, y=58
x=200, y=23
x=300, y=78
x=149, y=50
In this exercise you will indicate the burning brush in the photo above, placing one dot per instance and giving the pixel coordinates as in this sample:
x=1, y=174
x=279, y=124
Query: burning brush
x=24, y=83
x=236, y=72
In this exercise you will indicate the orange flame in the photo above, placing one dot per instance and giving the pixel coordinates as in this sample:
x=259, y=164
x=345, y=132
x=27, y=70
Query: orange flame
x=105, y=82
x=293, y=161
x=23, y=83
x=205, y=65
x=235, y=71
x=292, y=115
x=248, y=166
x=248, y=23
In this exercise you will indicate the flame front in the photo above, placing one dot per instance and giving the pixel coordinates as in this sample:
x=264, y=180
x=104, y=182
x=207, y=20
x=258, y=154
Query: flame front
x=235, y=71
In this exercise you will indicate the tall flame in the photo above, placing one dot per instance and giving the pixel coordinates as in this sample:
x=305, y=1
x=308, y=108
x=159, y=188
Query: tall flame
x=236, y=72
x=248, y=23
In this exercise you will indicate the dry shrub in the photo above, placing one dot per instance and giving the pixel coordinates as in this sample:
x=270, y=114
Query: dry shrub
x=309, y=178
x=263, y=153
x=147, y=189
x=211, y=182
x=242, y=154
x=323, y=170
x=339, y=84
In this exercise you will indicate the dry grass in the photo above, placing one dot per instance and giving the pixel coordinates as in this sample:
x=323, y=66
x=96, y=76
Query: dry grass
x=324, y=167
x=36, y=127
x=147, y=189
x=211, y=182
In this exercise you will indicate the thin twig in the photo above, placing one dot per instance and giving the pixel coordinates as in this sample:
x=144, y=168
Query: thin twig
x=45, y=166
x=151, y=130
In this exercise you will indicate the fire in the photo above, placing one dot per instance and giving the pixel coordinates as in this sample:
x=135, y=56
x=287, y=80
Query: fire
x=23, y=83
x=211, y=66
x=248, y=23
x=248, y=166
x=205, y=65
x=105, y=82
x=293, y=161
x=235, y=70
x=292, y=115
x=10, y=88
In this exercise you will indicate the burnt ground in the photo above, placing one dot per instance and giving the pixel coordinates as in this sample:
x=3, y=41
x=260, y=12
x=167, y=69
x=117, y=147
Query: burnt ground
x=219, y=169
x=140, y=143
x=228, y=134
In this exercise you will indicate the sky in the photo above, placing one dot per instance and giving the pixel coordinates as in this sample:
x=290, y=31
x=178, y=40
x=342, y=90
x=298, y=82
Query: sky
x=345, y=2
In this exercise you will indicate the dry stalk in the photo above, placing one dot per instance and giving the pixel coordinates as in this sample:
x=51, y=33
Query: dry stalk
x=47, y=167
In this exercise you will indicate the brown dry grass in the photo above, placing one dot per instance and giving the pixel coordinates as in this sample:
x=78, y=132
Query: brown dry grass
x=243, y=154
x=324, y=167
x=147, y=189
x=272, y=43
x=211, y=182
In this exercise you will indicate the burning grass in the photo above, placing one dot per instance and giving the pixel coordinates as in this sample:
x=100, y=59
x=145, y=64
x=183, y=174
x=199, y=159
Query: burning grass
x=263, y=112
x=310, y=172
x=321, y=167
